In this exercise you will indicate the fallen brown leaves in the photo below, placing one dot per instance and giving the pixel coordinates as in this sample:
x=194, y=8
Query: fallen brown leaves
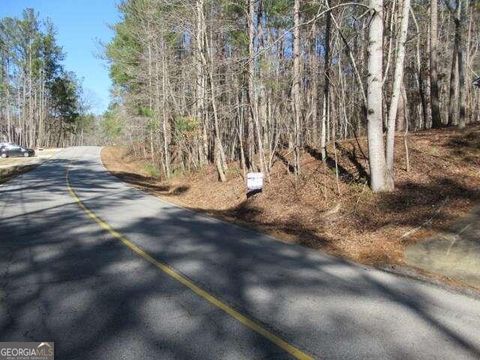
x=343, y=218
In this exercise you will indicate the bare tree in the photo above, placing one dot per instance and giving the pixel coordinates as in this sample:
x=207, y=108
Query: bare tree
x=434, y=93
x=396, y=92
x=376, y=147
x=296, y=85
x=236, y=82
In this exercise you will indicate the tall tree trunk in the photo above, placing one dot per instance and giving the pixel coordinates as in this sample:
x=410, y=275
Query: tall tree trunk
x=254, y=124
x=165, y=125
x=200, y=81
x=219, y=151
x=7, y=101
x=376, y=147
x=396, y=92
x=453, y=86
x=296, y=85
x=326, y=83
x=434, y=93
x=419, y=77
x=462, y=48
x=314, y=84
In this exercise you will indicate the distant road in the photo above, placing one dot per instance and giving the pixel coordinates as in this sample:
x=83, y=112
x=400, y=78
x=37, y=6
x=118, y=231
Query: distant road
x=109, y=272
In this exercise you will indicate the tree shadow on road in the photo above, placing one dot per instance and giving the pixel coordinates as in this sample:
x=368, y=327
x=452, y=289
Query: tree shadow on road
x=64, y=279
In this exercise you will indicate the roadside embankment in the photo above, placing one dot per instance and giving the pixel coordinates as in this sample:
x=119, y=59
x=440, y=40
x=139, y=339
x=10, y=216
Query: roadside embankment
x=339, y=214
x=12, y=167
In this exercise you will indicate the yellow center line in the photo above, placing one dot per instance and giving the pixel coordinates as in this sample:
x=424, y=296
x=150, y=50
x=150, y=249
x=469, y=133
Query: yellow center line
x=174, y=274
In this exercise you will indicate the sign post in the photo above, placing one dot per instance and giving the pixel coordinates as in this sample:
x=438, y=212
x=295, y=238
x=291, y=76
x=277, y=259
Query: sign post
x=254, y=183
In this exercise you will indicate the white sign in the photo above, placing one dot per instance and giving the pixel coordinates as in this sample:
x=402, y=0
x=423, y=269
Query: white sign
x=254, y=181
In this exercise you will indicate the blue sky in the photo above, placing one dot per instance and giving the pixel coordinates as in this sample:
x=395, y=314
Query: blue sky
x=80, y=25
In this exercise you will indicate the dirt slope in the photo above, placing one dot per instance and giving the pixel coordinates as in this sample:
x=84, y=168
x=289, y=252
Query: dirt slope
x=340, y=216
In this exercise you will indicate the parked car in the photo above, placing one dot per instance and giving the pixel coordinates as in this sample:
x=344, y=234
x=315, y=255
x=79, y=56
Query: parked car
x=14, y=150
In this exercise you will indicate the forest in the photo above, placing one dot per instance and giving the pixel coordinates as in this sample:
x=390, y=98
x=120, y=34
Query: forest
x=211, y=82
x=41, y=102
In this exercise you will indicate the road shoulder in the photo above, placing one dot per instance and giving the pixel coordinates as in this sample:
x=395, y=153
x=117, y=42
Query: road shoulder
x=13, y=167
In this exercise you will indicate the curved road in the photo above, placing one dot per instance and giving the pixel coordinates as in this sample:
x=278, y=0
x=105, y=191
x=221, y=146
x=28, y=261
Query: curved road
x=109, y=272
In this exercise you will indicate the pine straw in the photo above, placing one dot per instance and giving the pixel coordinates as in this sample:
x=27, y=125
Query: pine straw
x=341, y=217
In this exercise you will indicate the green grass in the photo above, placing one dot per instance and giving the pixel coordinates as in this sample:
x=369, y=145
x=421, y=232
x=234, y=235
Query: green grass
x=151, y=170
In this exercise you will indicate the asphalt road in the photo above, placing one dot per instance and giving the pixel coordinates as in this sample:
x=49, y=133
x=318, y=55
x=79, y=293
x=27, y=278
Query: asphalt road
x=90, y=274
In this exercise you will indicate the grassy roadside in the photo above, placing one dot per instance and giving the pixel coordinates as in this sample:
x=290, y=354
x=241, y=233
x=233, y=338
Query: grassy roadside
x=342, y=217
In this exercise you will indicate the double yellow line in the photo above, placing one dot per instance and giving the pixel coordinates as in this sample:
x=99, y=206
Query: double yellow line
x=249, y=323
